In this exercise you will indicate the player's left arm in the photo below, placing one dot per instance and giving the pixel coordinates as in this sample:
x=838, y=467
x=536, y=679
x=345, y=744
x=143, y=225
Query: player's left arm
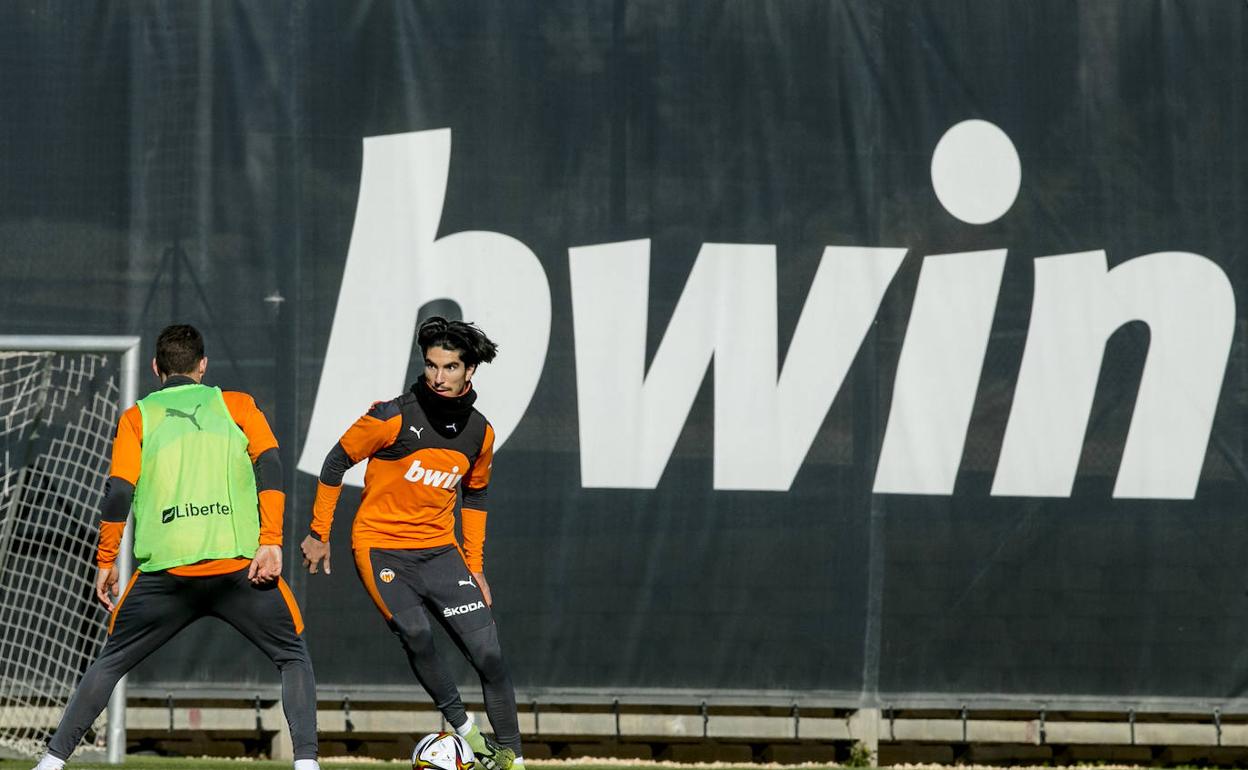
x=262, y=448
x=123, y=475
x=473, y=506
x=375, y=430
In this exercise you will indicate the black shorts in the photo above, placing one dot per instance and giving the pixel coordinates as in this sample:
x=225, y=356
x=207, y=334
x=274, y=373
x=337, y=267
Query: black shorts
x=435, y=578
x=156, y=605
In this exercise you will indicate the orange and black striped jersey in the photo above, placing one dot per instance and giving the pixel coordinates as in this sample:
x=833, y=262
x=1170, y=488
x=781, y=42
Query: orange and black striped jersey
x=126, y=467
x=421, y=448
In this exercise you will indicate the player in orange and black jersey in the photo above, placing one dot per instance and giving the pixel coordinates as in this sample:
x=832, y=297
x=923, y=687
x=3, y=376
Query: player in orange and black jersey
x=422, y=448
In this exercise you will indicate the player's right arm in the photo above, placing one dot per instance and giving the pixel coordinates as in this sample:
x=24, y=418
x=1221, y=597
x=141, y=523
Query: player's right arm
x=266, y=565
x=373, y=432
x=123, y=475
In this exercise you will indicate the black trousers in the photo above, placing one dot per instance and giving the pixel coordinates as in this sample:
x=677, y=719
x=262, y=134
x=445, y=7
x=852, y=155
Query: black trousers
x=409, y=586
x=157, y=605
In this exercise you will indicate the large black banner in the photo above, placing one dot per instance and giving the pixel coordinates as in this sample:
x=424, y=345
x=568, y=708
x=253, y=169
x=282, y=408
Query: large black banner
x=868, y=351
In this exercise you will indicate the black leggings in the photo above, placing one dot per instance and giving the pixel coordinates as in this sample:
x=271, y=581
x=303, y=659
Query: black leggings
x=157, y=605
x=410, y=585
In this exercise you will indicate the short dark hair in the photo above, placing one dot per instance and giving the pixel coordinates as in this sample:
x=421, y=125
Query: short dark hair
x=179, y=349
x=463, y=337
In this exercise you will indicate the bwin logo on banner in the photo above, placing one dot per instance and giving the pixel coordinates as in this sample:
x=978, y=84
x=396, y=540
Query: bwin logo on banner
x=630, y=418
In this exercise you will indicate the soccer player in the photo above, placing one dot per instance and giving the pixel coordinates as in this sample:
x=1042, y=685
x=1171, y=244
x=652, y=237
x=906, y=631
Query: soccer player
x=422, y=447
x=189, y=458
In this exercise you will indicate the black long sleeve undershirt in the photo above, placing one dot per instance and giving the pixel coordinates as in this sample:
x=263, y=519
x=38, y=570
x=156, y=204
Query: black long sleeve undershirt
x=336, y=464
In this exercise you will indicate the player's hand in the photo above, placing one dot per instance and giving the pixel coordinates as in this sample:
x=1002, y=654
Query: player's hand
x=485, y=588
x=266, y=565
x=314, y=552
x=106, y=586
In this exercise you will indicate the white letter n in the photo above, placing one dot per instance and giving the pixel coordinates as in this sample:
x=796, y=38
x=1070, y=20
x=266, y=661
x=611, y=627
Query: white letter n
x=1189, y=306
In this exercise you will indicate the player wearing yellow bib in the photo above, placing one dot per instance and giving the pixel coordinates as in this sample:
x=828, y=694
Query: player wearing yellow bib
x=200, y=470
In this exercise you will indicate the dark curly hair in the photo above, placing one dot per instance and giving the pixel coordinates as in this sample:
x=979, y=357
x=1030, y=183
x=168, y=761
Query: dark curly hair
x=463, y=337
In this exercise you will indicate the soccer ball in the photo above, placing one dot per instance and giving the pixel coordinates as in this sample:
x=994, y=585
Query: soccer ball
x=443, y=751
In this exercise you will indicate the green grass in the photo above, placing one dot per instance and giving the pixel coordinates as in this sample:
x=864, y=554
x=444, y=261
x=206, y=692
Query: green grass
x=170, y=763
x=147, y=762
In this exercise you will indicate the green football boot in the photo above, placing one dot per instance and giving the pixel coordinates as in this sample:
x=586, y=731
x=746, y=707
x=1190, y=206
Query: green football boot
x=490, y=755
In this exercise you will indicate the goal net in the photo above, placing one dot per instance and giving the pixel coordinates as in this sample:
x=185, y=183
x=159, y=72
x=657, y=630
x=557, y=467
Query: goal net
x=60, y=399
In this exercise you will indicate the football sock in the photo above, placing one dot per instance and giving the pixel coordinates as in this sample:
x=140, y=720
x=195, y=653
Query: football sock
x=471, y=733
x=467, y=727
x=50, y=762
x=307, y=764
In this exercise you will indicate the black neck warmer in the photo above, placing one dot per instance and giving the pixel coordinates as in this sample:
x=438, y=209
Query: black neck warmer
x=444, y=408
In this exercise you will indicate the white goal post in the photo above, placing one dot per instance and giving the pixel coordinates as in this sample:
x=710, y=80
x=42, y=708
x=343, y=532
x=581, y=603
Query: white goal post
x=60, y=399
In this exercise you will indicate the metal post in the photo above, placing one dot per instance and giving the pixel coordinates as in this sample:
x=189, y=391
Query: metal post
x=125, y=565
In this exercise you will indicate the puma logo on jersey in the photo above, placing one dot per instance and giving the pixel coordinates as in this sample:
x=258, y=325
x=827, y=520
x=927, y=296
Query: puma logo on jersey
x=467, y=582
x=415, y=430
x=171, y=412
x=453, y=428
x=431, y=478
x=463, y=609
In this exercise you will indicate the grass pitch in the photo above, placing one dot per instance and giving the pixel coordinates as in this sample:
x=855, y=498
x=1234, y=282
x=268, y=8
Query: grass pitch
x=171, y=763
